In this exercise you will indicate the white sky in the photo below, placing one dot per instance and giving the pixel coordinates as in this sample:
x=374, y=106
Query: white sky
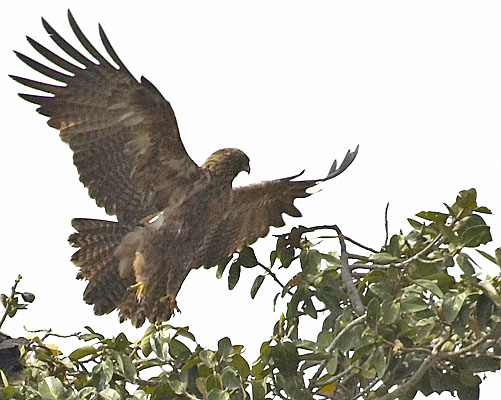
x=293, y=84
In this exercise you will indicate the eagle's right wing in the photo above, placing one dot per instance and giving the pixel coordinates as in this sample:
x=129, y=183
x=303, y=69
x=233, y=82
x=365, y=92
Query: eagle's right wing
x=123, y=133
x=255, y=208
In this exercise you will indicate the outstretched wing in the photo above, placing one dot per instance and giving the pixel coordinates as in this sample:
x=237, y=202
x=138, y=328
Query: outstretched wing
x=255, y=208
x=123, y=133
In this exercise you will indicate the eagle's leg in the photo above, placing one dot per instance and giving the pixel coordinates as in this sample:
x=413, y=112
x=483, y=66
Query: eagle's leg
x=138, y=265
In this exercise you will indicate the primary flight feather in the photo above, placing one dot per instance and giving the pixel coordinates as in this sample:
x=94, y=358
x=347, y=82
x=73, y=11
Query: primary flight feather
x=173, y=216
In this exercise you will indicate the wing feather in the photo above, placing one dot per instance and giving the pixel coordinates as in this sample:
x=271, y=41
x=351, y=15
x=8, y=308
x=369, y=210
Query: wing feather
x=255, y=208
x=123, y=133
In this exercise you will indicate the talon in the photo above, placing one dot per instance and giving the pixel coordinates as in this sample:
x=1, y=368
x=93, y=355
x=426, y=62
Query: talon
x=140, y=289
x=171, y=304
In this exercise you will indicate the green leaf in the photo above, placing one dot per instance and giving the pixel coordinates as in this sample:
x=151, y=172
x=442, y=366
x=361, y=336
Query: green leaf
x=285, y=357
x=383, y=258
x=412, y=304
x=474, y=231
x=234, y=275
x=452, y=304
x=102, y=374
x=465, y=203
x=82, y=352
x=468, y=392
x=238, y=362
x=125, y=366
x=176, y=385
x=51, y=388
x=121, y=342
x=423, y=329
x=259, y=390
x=110, y=394
x=415, y=224
x=383, y=290
x=28, y=297
x=433, y=216
x=177, y=348
x=484, y=310
x=214, y=381
x=373, y=309
x=208, y=358
x=230, y=379
x=145, y=340
x=465, y=264
x=247, y=258
x=488, y=256
x=218, y=394
x=490, y=291
x=332, y=363
x=256, y=285
x=224, y=347
x=380, y=361
x=391, y=311
x=429, y=285
x=482, y=363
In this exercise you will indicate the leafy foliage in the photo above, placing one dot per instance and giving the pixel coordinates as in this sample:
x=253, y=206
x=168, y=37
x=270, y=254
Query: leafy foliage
x=417, y=315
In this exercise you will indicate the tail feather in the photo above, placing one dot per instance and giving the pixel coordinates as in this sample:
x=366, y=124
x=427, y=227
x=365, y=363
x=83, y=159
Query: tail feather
x=97, y=241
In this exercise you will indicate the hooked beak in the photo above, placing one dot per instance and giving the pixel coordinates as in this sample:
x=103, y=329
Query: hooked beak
x=247, y=168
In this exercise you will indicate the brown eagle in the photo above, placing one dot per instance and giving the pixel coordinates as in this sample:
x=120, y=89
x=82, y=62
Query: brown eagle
x=173, y=216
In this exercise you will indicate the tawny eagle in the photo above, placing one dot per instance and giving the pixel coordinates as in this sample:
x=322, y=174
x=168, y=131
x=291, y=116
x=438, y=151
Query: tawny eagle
x=173, y=216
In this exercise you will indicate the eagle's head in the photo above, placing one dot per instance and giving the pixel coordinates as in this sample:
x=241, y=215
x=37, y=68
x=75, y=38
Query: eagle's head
x=227, y=163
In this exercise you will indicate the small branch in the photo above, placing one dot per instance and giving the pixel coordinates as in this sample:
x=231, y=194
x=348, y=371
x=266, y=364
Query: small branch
x=365, y=391
x=272, y=274
x=12, y=294
x=48, y=332
x=332, y=346
x=334, y=227
x=386, y=224
x=353, y=294
x=415, y=377
x=464, y=350
x=360, y=245
x=369, y=266
x=426, y=250
x=338, y=376
x=352, y=256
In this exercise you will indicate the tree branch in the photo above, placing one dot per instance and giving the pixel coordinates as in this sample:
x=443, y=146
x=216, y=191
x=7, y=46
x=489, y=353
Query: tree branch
x=351, y=289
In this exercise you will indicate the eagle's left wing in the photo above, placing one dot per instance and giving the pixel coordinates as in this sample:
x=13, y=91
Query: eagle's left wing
x=123, y=133
x=254, y=208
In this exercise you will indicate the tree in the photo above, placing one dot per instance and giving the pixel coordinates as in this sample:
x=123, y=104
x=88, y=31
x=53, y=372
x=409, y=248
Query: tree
x=417, y=315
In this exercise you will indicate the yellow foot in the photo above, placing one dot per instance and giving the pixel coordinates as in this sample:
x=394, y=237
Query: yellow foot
x=140, y=289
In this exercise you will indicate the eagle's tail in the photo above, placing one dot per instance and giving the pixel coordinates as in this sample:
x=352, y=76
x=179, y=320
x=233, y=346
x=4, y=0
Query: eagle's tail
x=97, y=241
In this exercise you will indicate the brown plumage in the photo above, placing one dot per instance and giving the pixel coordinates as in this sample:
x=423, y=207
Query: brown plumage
x=173, y=215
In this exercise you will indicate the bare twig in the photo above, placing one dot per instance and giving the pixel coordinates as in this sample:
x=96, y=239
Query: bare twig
x=48, y=332
x=386, y=224
x=12, y=294
x=272, y=274
x=353, y=294
x=360, y=244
